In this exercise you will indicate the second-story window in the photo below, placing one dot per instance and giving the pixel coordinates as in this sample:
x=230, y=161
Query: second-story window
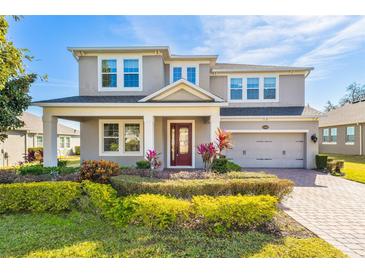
x=269, y=88
x=109, y=73
x=176, y=74
x=131, y=73
x=191, y=74
x=236, y=89
x=253, y=88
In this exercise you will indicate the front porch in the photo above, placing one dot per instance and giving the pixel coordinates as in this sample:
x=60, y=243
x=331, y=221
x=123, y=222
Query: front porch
x=124, y=134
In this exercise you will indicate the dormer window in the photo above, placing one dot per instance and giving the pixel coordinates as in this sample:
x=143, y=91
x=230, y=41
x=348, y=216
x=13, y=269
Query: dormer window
x=187, y=71
x=120, y=72
x=177, y=73
x=191, y=74
x=109, y=73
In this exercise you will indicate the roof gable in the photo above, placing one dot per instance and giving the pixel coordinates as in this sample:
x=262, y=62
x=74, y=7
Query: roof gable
x=182, y=90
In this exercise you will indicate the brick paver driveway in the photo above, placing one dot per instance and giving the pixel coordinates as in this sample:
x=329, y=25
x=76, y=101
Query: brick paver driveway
x=331, y=207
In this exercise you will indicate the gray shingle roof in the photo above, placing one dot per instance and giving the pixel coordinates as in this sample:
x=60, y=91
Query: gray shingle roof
x=94, y=99
x=348, y=114
x=250, y=68
x=269, y=111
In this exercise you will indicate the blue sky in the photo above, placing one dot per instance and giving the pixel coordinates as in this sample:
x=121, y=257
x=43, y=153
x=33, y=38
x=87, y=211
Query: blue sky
x=334, y=45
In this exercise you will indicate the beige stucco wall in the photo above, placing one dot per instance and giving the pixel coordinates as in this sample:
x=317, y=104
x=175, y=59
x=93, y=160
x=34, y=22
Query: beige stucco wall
x=153, y=76
x=291, y=91
x=90, y=146
x=312, y=127
x=340, y=147
x=204, y=73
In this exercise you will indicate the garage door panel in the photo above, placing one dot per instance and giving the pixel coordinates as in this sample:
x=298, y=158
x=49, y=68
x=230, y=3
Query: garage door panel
x=282, y=150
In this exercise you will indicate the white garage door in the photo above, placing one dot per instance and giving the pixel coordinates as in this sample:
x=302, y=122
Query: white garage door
x=271, y=150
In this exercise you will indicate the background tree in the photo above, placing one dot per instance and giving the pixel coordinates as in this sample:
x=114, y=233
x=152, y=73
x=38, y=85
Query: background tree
x=354, y=92
x=329, y=106
x=14, y=82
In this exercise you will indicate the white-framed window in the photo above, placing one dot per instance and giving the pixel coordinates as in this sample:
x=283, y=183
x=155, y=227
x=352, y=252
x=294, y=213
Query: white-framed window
x=333, y=138
x=177, y=73
x=39, y=140
x=65, y=141
x=187, y=71
x=255, y=88
x=109, y=73
x=236, y=89
x=326, y=135
x=121, y=137
x=350, y=135
x=120, y=72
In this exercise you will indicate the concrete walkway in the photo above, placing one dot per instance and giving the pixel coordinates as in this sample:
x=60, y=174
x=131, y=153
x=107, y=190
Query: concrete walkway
x=331, y=207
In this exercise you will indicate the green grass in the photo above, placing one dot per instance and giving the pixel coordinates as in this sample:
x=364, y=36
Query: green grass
x=354, y=166
x=79, y=234
x=72, y=160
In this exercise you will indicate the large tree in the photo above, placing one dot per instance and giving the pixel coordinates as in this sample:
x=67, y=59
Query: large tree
x=14, y=82
x=329, y=106
x=354, y=93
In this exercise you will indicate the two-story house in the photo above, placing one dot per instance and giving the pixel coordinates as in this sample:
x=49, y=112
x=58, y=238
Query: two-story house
x=132, y=99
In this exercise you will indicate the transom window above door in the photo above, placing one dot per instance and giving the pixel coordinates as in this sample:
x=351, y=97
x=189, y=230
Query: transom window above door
x=188, y=72
x=120, y=73
x=253, y=89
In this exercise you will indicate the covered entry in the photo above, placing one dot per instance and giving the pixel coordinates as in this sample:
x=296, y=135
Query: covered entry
x=268, y=150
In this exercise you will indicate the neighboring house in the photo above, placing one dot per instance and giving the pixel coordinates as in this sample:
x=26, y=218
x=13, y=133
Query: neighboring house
x=132, y=99
x=343, y=130
x=15, y=147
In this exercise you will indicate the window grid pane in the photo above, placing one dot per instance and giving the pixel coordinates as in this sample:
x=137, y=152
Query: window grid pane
x=109, y=80
x=131, y=80
x=109, y=75
x=270, y=88
x=333, y=134
x=191, y=74
x=109, y=66
x=68, y=142
x=236, y=89
x=350, y=134
x=326, y=135
x=177, y=74
x=132, y=141
x=252, y=88
x=62, y=142
x=131, y=65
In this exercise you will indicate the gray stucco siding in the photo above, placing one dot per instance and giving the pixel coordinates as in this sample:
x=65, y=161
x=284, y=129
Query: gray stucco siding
x=153, y=77
x=341, y=147
x=291, y=91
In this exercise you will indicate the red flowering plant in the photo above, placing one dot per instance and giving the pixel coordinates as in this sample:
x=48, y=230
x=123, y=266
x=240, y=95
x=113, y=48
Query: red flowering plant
x=208, y=153
x=223, y=141
x=152, y=158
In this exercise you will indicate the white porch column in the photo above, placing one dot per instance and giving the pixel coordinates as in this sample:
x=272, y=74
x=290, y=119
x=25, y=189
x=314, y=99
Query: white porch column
x=49, y=140
x=149, y=132
x=214, y=125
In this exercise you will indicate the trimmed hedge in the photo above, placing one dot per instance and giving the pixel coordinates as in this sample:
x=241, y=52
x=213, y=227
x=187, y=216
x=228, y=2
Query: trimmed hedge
x=129, y=185
x=226, y=212
x=39, y=169
x=77, y=150
x=321, y=161
x=38, y=197
x=143, y=164
x=157, y=211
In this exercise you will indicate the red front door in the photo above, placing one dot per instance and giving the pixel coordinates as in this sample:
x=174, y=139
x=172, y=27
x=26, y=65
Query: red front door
x=181, y=144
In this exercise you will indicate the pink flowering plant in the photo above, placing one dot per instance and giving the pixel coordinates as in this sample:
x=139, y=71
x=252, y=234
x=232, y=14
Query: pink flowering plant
x=208, y=153
x=152, y=158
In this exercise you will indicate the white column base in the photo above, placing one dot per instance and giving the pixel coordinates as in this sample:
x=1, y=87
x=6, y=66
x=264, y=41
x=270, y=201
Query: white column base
x=49, y=141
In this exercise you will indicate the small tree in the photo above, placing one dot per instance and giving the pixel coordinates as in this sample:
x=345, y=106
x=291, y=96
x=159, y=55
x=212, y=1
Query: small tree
x=354, y=92
x=329, y=106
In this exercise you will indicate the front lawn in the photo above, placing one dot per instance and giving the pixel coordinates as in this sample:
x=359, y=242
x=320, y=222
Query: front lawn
x=72, y=160
x=79, y=234
x=354, y=166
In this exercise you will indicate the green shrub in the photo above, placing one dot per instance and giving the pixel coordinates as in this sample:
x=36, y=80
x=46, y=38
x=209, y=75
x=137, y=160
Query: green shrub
x=98, y=171
x=227, y=212
x=35, y=154
x=300, y=248
x=77, y=150
x=321, y=161
x=129, y=185
x=61, y=163
x=38, y=197
x=158, y=211
x=335, y=166
x=104, y=201
x=143, y=164
x=39, y=169
x=220, y=165
x=231, y=166
x=249, y=175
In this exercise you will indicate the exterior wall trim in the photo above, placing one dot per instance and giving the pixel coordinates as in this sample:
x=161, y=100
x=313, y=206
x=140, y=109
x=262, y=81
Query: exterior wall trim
x=168, y=143
x=267, y=131
x=132, y=105
x=267, y=118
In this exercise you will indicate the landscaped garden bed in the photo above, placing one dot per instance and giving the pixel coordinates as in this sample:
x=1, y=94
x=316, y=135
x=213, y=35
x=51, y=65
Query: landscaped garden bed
x=69, y=219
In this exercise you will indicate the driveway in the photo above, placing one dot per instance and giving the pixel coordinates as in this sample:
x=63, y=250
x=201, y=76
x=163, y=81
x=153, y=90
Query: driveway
x=331, y=207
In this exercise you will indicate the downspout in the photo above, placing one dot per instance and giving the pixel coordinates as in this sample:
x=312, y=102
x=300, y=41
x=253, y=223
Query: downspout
x=361, y=140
